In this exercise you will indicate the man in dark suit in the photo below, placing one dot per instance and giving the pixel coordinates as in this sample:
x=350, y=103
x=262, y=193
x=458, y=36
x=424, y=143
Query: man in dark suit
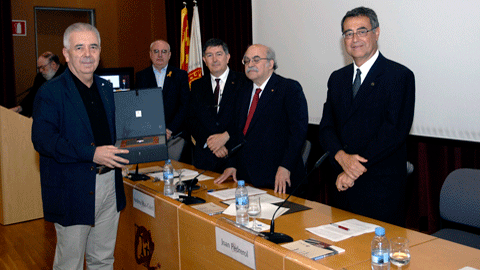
x=174, y=83
x=74, y=130
x=212, y=104
x=272, y=120
x=49, y=67
x=366, y=119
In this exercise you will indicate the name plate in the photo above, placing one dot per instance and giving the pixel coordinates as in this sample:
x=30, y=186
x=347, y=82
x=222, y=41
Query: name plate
x=235, y=247
x=144, y=202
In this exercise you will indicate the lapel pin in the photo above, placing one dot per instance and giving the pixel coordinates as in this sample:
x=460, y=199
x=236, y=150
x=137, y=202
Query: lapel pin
x=103, y=84
x=272, y=90
x=373, y=84
x=169, y=74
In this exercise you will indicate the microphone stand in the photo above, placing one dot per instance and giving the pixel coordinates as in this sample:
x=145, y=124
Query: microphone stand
x=138, y=177
x=277, y=237
x=191, y=199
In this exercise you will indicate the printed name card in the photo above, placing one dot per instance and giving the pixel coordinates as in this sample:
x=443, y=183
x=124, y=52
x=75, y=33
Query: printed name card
x=144, y=203
x=235, y=247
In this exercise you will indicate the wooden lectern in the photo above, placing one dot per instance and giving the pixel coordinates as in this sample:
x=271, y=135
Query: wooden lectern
x=20, y=195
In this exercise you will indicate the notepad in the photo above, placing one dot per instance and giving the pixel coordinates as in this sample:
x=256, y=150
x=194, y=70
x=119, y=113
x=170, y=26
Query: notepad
x=313, y=249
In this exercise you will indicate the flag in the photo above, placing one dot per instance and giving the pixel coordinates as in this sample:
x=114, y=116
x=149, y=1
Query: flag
x=184, y=40
x=195, y=65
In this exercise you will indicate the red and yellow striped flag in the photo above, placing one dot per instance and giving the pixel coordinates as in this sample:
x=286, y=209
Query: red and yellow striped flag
x=184, y=40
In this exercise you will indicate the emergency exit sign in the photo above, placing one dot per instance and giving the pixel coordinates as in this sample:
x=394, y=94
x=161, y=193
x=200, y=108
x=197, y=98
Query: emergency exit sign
x=19, y=28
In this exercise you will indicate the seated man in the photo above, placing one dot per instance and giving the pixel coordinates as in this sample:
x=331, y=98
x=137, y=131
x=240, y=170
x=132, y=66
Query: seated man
x=49, y=67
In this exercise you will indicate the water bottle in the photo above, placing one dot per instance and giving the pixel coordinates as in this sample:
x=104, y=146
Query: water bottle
x=168, y=188
x=241, y=202
x=380, y=250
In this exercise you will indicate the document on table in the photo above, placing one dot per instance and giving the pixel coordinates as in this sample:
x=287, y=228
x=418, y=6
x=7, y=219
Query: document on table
x=267, y=210
x=230, y=193
x=264, y=198
x=186, y=175
x=342, y=230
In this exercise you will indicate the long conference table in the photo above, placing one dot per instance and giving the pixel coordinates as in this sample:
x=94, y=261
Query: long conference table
x=172, y=235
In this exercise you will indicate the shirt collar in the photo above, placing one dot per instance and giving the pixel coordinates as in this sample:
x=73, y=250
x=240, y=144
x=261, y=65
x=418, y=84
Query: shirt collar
x=365, y=68
x=223, y=77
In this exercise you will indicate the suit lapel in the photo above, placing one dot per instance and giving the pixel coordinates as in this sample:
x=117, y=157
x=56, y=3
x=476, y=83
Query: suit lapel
x=228, y=91
x=168, y=79
x=73, y=94
x=108, y=104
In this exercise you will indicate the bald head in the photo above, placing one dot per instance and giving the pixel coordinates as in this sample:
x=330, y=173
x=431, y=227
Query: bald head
x=259, y=63
x=160, y=54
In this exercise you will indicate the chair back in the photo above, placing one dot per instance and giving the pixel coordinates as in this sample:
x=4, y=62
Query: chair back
x=460, y=197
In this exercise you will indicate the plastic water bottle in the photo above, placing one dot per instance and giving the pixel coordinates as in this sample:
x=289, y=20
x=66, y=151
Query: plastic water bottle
x=380, y=250
x=241, y=202
x=168, y=188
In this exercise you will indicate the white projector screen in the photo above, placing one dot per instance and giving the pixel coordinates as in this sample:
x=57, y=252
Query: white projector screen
x=438, y=40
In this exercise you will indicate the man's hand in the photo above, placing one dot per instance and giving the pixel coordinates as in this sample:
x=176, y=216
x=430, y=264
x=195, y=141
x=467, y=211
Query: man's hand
x=282, y=178
x=344, y=182
x=227, y=173
x=222, y=152
x=351, y=164
x=17, y=109
x=216, y=141
x=106, y=155
x=169, y=134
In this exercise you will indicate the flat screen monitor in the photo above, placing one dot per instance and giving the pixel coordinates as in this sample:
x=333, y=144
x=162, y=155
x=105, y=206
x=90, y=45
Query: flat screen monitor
x=121, y=78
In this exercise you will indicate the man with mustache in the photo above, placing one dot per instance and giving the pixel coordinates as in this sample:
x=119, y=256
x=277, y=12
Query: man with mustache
x=272, y=121
x=74, y=131
x=365, y=123
x=49, y=67
x=211, y=109
x=174, y=83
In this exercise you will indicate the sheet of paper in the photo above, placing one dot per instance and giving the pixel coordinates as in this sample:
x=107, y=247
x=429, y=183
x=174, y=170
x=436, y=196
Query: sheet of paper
x=334, y=233
x=264, y=198
x=209, y=208
x=186, y=175
x=230, y=193
x=267, y=211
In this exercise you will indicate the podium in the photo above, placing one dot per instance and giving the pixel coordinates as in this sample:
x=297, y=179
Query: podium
x=20, y=193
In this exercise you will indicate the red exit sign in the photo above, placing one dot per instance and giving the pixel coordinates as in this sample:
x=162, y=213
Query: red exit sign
x=19, y=28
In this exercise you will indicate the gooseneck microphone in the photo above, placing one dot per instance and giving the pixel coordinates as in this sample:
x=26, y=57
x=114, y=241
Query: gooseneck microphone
x=277, y=237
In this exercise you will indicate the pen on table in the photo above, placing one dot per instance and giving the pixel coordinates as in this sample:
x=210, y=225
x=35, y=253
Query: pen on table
x=340, y=227
x=216, y=189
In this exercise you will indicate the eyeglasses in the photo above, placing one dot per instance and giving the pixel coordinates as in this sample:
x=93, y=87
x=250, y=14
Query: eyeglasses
x=160, y=51
x=359, y=33
x=44, y=66
x=255, y=60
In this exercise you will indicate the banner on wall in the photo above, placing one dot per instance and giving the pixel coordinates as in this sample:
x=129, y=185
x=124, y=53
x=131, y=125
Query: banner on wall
x=195, y=65
x=184, y=40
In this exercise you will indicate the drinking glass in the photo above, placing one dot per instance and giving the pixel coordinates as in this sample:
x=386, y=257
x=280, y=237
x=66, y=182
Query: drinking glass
x=254, y=209
x=399, y=253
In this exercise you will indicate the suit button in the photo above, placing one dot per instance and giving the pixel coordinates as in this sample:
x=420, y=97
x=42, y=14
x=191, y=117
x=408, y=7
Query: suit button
x=92, y=144
x=92, y=168
x=218, y=124
x=91, y=193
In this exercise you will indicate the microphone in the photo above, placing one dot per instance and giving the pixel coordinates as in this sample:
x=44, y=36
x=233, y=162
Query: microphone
x=189, y=186
x=176, y=136
x=277, y=237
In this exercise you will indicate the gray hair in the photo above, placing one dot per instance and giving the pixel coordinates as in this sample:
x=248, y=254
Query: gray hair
x=362, y=11
x=78, y=27
x=271, y=56
x=151, y=44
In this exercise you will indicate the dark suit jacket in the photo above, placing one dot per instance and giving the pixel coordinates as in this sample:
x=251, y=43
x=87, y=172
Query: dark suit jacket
x=276, y=134
x=62, y=134
x=175, y=94
x=374, y=125
x=203, y=119
x=27, y=102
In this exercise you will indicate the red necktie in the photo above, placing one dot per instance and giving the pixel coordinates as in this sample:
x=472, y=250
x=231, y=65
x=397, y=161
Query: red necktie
x=252, y=109
x=217, y=91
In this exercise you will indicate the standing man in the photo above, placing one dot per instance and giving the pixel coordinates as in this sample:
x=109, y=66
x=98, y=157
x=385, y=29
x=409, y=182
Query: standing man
x=212, y=104
x=49, y=67
x=366, y=119
x=273, y=121
x=74, y=131
x=174, y=83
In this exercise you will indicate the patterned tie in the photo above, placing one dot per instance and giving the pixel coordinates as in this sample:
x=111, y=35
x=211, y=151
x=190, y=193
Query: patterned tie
x=217, y=91
x=252, y=109
x=357, y=82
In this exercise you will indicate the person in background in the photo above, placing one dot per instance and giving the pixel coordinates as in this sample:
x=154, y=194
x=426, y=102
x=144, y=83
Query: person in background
x=48, y=67
x=73, y=131
x=174, y=83
x=272, y=121
x=366, y=120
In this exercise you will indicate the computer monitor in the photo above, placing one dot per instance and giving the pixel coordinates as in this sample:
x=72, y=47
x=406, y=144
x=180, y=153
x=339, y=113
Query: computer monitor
x=121, y=78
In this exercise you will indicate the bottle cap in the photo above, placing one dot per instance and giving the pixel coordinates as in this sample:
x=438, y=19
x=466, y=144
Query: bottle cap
x=380, y=231
x=241, y=182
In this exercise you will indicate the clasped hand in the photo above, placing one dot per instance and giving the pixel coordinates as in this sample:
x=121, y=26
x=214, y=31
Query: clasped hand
x=107, y=155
